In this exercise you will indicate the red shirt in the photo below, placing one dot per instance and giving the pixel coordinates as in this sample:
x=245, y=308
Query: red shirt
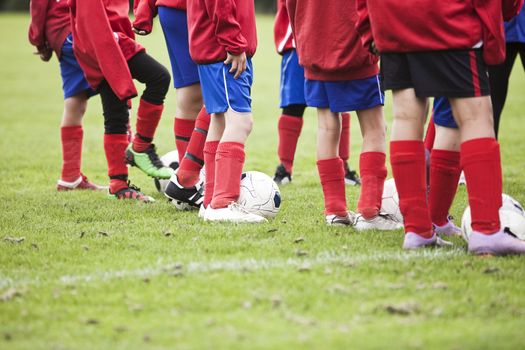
x=282, y=30
x=328, y=46
x=104, y=42
x=220, y=26
x=146, y=10
x=49, y=23
x=403, y=26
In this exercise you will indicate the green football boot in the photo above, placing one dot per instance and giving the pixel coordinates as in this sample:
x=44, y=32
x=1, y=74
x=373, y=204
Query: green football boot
x=149, y=162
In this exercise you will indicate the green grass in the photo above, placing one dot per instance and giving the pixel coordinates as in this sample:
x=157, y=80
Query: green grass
x=221, y=286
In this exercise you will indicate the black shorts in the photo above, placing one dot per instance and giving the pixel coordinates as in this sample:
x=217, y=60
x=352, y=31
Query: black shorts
x=450, y=73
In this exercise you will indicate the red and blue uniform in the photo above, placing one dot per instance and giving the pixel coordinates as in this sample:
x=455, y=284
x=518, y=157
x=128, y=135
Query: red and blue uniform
x=340, y=73
x=173, y=19
x=50, y=26
x=218, y=27
x=292, y=74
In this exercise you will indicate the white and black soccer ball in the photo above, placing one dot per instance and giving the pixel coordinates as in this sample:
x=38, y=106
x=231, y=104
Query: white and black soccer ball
x=259, y=194
x=511, y=215
x=390, y=200
x=170, y=159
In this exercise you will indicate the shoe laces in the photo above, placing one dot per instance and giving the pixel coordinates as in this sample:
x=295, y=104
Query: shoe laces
x=154, y=157
x=237, y=207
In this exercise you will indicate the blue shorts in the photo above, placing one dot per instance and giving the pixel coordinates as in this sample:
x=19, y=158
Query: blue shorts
x=344, y=96
x=221, y=91
x=73, y=80
x=442, y=113
x=292, y=80
x=175, y=27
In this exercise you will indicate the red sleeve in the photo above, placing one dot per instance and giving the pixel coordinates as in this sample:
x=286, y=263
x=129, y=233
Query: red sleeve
x=363, y=24
x=511, y=8
x=38, y=10
x=144, y=11
x=490, y=13
x=91, y=14
x=291, y=6
x=227, y=29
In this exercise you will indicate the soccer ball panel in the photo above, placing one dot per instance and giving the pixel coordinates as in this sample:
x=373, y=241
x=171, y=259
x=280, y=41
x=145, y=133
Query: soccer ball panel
x=170, y=159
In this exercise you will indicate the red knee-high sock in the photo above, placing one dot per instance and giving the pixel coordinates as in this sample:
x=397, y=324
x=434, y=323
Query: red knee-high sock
x=373, y=174
x=183, y=129
x=191, y=164
x=289, y=130
x=408, y=166
x=332, y=175
x=431, y=135
x=344, y=142
x=148, y=117
x=210, y=151
x=115, y=149
x=444, y=176
x=229, y=162
x=481, y=162
x=71, y=137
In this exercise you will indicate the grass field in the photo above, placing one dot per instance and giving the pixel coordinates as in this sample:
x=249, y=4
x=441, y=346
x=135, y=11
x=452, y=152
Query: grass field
x=92, y=273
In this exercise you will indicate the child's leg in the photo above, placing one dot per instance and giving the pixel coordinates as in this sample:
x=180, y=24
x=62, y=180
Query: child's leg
x=193, y=160
x=445, y=170
x=372, y=161
x=71, y=136
x=329, y=165
x=344, y=143
x=189, y=104
x=407, y=157
x=229, y=159
x=217, y=125
x=289, y=127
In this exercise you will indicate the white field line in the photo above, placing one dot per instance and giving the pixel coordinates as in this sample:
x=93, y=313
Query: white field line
x=196, y=267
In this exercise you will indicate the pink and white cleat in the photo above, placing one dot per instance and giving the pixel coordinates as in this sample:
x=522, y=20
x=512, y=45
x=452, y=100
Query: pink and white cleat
x=501, y=243
x=82, y=183
x=415, y=241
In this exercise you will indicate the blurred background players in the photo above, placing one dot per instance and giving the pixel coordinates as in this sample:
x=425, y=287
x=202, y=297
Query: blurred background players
x=293, y=104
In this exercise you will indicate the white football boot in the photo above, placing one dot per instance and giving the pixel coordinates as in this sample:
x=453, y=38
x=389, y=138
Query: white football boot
x=449, y=229
x=335, y=220
x=382, y=222
x=234, y=212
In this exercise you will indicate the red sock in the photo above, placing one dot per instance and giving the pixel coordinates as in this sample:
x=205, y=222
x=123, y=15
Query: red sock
x=332, y=175
x=408, y=166
x=444, y=176
x=191, y=164
x=210, y=150
x=344, y=142
x=148, y=117
x=115, y=149
x=71, y=137
x=229, y=162
x=481, y=162
x=373, y=174
x=431, y=135
x=183, y=129
x=289, y=131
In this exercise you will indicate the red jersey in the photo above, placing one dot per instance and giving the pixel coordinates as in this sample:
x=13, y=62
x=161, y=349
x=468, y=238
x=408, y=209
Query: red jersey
x=220, y=26
x=49, y=23
x=146, y=10
x=104, y=42
x=328, y=46
x=403, y=26
x=282, y=30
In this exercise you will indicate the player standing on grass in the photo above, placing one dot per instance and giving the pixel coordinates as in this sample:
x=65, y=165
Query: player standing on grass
x=446, y=59
x=49, y=31
x=293, y=104
x=223, y=40
x=342, y=76
x=110, y=57
x=191, y=119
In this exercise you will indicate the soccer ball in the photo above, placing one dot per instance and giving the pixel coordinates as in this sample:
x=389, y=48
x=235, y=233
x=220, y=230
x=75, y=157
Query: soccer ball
x=390, y=200
x=510, y=214
x=170, y=159
x=259, y=194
